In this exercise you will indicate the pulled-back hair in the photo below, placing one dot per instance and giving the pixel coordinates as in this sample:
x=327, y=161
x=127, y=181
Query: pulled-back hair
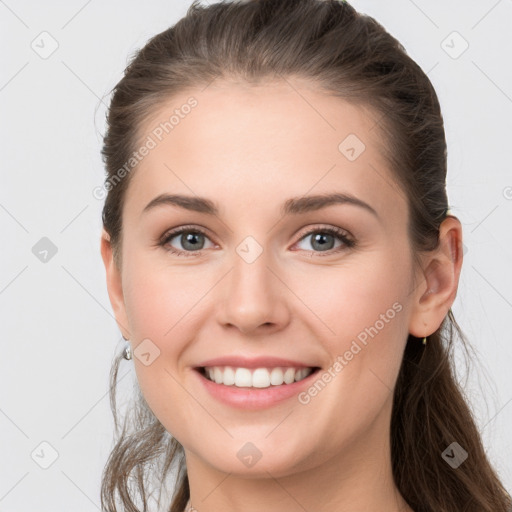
x=351, y=56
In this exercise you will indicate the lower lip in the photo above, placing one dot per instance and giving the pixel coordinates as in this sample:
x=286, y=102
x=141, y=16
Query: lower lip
x=254, y=398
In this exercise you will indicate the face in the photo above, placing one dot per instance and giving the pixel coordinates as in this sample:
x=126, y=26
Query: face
x=273, y=284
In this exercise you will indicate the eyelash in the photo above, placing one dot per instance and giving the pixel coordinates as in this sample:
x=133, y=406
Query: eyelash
x=340, y=234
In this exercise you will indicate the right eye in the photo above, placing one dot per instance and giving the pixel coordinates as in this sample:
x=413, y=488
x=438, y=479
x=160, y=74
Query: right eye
x=191, y=239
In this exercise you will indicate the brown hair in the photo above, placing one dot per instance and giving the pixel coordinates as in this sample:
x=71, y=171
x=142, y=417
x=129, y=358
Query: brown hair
x=349, y=55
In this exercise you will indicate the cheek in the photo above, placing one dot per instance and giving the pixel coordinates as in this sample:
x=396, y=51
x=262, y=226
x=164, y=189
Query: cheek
x=348, y=299
x=159, y=304
x=366, y=319
x=161, y=299
x=162, y=305
x=361, y=309
x=147, y=305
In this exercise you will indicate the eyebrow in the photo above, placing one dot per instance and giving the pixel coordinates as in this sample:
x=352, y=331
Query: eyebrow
x=292, y=206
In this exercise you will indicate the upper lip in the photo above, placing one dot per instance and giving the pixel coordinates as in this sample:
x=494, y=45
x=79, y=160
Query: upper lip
x=253, y=362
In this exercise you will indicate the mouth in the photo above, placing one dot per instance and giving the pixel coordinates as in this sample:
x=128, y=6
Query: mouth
x=258, y=378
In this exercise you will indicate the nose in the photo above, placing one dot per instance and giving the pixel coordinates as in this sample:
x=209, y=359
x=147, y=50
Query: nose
x=253, y=297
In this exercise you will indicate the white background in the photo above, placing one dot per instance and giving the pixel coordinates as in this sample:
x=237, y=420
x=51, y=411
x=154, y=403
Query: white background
x=57, y=331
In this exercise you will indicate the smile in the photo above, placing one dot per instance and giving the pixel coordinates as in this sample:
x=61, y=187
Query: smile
x=255, y=378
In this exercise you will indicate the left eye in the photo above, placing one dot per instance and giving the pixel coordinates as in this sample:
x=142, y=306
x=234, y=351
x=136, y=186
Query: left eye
x=324, y=237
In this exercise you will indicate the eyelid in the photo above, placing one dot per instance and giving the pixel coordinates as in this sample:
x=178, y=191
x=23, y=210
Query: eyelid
x=185, y=228
x=308, y=230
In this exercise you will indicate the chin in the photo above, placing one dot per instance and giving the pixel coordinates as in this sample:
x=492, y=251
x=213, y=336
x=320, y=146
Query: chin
x=256, y=459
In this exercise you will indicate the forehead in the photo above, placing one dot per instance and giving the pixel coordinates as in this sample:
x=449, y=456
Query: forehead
x=256, y=144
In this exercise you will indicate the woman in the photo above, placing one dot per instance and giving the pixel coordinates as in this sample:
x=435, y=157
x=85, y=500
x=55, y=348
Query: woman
x=281, y=257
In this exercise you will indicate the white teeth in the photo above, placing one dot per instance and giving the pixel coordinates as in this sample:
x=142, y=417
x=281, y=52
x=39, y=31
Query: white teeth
x=217, y=375
x=261, y=378
x=242, y=377
x=257, y=378
x=289, y=375
x=276, y=377
x=229, y=376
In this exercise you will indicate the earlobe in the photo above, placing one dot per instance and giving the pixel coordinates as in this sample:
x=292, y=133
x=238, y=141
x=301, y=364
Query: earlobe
x=436, y=294
x=114, y=284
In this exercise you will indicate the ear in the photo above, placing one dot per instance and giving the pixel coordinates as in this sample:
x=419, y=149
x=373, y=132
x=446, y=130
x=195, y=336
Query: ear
x=437, y=285
x=114, y=285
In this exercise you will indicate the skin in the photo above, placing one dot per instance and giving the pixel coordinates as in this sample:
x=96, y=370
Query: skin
x=248, y=149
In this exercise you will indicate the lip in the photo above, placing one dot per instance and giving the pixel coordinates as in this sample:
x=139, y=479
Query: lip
x=253, y=398
x=254, y=362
